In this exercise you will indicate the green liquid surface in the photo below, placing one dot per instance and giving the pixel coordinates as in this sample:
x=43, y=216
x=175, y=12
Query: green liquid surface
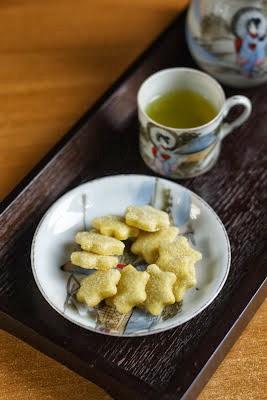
x=181, y=109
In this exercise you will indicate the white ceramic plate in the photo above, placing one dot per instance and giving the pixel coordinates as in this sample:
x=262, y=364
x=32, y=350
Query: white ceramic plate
x=54, y=237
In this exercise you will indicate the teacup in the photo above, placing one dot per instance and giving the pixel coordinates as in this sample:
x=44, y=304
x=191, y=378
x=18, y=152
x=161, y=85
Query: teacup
x=185, y=153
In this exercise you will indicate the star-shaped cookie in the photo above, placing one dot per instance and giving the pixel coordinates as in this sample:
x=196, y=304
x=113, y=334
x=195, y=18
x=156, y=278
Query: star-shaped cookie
x=159, y=289
x=99, y=244
x=98, y=286
x=131, y=290
x=184, y=283
x=147, y=244
x=147, y=218
x=114, y=226
x=179, y=257
x=88, y=260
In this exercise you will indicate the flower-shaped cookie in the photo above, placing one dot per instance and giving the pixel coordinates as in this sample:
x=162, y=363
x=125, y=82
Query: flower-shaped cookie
x=179, y=257
x=99, y=244
x=159, y=289
x=147, y=218
x=147, y=244
x=131, y=290
x=98, y=286
x=115, y=226
x=93, y=261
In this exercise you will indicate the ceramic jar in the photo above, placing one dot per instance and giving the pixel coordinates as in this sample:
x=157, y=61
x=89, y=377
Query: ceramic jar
x=228, y=39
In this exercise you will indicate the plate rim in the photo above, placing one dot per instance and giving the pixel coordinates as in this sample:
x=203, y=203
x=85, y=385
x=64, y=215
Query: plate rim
x=144, y=332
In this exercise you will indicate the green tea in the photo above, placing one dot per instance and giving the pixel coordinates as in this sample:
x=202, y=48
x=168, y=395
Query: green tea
x=181, y=109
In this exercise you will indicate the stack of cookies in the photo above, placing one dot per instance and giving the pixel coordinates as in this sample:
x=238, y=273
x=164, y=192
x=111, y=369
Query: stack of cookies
x=170, y=258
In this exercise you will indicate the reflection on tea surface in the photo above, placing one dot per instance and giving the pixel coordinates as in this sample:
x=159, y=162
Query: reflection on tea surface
x=181, y=109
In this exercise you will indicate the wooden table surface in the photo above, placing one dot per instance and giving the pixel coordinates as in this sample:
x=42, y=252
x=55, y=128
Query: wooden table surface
x=56, y=58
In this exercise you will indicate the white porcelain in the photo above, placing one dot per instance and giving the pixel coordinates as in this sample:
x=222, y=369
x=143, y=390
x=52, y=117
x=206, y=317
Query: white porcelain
x=54, y=241
x=184, y=153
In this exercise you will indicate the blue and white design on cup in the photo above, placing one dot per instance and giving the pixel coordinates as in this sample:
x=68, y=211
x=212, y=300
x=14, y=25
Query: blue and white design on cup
x=199, y=144
x=180, y=153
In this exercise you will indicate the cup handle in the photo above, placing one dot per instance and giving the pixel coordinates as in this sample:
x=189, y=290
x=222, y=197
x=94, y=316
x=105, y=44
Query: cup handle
x=230, y=103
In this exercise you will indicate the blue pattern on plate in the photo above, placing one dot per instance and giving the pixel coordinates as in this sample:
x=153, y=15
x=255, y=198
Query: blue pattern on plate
x=144, y=194
x=140, y=320
x=181, y=207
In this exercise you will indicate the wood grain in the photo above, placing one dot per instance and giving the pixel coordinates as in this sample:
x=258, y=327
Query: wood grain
x=60, y=65
x=242, y=375
x=56, y=58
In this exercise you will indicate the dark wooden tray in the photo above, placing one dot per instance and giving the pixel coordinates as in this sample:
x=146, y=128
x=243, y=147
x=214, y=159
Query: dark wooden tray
x=171, y=365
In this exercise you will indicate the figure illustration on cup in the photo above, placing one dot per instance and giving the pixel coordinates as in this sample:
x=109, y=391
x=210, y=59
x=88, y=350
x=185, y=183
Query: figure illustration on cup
x=182, y=115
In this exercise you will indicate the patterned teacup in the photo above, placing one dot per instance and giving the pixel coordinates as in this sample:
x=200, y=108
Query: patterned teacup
x=184, y=153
